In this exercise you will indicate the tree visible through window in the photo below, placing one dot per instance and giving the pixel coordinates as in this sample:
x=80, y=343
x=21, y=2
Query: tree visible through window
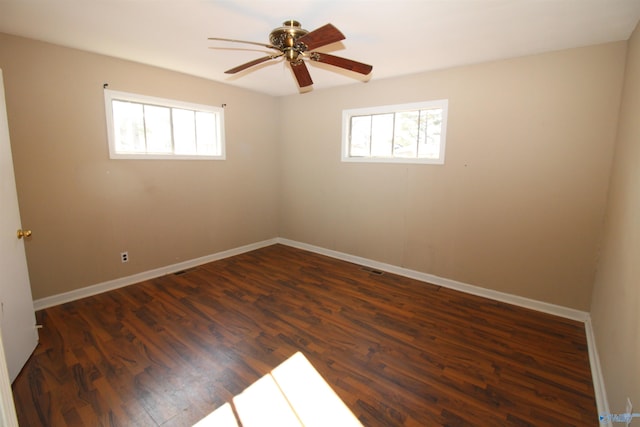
x=398, y=133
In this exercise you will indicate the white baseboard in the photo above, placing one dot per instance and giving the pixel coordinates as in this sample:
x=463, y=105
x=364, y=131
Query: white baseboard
x=602, y=402
x=545, y=307
x=568, y=313
x=565, y=312
x=99, y=288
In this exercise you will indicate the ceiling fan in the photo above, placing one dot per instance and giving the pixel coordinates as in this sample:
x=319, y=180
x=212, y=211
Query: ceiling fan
x=295, y=44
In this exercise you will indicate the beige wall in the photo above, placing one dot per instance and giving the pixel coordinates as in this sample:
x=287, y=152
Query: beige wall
x=615, y=309
x=519, y=205
x=84, y=209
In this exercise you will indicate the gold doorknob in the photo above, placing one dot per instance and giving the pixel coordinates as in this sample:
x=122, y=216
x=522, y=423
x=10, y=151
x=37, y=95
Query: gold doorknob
x=24, y=233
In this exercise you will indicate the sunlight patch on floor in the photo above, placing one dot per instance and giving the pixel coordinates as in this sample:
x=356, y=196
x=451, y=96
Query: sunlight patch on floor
x=293, y=394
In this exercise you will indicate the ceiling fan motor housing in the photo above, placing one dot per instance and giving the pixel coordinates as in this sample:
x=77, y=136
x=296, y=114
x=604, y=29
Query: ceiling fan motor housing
x=285, y=38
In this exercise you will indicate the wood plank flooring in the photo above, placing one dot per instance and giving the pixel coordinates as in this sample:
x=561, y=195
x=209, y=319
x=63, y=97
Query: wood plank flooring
x=399, y=352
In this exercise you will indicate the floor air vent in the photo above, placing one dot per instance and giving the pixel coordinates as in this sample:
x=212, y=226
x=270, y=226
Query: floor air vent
x=372, y=271
x=181, y=272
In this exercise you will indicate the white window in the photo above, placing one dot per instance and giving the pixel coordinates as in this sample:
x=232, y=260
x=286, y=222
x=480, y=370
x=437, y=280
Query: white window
x=144, y=127
x=406, y=133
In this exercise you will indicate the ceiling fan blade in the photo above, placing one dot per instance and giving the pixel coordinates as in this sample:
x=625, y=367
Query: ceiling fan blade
x=245, y=42
x=347, y=64
x=321, y=37
x=251, y=64
x=302, y=73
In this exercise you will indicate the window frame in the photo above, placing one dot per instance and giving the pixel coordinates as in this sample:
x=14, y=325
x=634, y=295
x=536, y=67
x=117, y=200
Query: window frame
x=388, y=109
x=114, y=95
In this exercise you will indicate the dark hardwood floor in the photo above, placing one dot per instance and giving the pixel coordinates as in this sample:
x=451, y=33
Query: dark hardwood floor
x=168, y=351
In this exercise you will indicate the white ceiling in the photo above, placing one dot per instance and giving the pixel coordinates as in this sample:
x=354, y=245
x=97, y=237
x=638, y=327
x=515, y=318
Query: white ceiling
x=397, y=37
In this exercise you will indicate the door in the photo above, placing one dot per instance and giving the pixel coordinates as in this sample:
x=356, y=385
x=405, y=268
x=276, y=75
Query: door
x=17, y=319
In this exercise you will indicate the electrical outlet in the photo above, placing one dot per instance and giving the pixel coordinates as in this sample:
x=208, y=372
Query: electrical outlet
x=124, y=257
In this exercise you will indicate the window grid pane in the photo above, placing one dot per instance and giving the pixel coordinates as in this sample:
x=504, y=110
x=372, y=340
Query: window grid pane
x=158, y=129
x=430, y=147
x=381, y=135
x=128, y=123
x=406, y=133
x=206, y=133
x=360, y=138
x=184, y=131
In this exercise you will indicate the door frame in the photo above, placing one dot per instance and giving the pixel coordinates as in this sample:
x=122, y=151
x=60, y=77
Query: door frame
x=8, y=415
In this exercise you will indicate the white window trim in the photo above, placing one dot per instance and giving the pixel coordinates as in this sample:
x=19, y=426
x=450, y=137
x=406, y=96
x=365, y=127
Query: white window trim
x=110, y=95
x=346, y=120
